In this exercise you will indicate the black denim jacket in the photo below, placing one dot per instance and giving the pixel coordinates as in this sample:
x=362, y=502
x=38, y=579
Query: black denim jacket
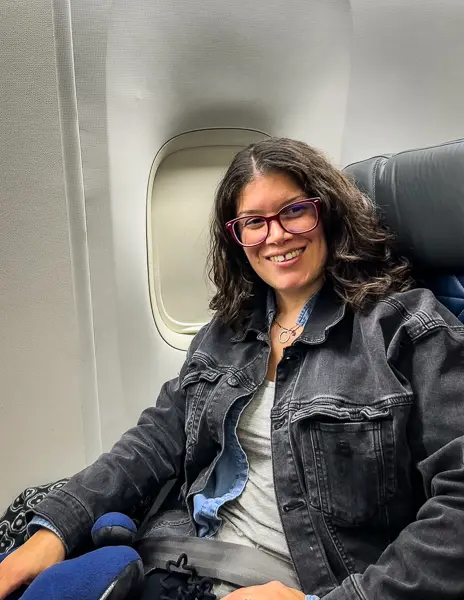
x=366, y=436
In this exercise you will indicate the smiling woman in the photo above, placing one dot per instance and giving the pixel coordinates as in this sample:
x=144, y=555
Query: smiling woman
x=339, y=238
x=291, y=262
x=291, y=222
x=316, y=423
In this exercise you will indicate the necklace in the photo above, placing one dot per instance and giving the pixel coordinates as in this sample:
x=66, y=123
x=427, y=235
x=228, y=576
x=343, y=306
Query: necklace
x=286, y=334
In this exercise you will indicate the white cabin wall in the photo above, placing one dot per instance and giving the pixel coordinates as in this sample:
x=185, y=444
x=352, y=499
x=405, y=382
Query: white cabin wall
x=407, y=79
x=41, y=427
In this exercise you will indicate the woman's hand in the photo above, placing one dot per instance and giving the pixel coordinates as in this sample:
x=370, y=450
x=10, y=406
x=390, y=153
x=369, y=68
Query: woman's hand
x=43, y=550
x=270, y=591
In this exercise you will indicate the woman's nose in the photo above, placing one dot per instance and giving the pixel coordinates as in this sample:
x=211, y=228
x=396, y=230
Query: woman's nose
x=277, y=233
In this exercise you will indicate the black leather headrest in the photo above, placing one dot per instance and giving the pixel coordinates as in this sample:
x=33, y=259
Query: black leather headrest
x=421, y=193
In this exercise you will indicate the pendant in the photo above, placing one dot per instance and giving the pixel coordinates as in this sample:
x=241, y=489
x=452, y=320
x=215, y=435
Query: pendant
x=285, y=335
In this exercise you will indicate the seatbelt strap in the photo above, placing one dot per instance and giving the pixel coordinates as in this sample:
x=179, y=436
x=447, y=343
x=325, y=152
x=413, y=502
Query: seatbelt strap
x=243, y=566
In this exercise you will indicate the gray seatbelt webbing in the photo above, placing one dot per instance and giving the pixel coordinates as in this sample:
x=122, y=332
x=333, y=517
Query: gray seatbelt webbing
x=240, y=565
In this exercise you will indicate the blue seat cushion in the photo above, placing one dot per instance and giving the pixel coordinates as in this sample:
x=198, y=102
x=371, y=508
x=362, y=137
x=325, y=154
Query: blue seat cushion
x=88, y=576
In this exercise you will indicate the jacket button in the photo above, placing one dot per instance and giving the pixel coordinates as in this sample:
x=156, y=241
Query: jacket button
x=232, y=381
x=293, y=505
x=343, y=448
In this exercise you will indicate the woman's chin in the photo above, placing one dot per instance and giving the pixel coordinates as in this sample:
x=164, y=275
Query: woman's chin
x=293, y=284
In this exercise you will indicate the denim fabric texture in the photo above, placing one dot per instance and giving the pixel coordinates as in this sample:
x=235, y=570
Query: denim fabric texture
x=367, y=440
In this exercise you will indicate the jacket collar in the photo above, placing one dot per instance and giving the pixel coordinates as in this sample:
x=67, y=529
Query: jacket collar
x=328, y=311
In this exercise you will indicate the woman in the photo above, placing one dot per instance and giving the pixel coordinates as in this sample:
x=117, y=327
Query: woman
x=317, y=417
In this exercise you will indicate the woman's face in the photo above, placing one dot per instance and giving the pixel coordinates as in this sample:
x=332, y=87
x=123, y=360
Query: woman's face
x=301, y=275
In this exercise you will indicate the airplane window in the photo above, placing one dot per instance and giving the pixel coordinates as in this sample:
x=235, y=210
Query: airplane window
x=183, y=180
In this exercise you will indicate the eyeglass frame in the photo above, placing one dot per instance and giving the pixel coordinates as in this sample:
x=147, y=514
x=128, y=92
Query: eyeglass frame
x=276, y=217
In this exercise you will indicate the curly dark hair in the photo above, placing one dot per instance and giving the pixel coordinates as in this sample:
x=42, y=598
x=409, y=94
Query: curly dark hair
x=362, y=264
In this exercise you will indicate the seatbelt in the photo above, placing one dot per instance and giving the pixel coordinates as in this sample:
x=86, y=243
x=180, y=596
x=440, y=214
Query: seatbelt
x=243, y=566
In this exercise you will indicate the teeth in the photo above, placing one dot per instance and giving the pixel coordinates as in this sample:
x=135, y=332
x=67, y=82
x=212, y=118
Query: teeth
x=283, y=257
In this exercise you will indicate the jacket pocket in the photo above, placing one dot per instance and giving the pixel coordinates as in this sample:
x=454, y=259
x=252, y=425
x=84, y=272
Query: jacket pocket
x=347, y=455
x=198, y=387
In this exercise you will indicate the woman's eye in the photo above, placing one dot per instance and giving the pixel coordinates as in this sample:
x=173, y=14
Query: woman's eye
x=255, y=222
x=296, y=210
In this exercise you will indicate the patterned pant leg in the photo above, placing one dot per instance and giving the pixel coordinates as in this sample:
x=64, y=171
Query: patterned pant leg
x=13, y=523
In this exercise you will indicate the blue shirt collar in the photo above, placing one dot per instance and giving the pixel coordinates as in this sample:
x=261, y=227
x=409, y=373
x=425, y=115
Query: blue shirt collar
x=326, y=309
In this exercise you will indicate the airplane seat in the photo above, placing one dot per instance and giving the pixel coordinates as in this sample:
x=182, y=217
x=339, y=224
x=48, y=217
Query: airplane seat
x=421, y=195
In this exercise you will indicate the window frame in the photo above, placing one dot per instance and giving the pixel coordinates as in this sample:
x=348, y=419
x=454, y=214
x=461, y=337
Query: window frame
x=179, y=334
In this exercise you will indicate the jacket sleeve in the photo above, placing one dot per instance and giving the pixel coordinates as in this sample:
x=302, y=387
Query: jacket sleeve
x=130, y=475
x=427, y=558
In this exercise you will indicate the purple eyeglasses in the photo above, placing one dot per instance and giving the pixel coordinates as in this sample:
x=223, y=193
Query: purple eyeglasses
x=298, y=217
